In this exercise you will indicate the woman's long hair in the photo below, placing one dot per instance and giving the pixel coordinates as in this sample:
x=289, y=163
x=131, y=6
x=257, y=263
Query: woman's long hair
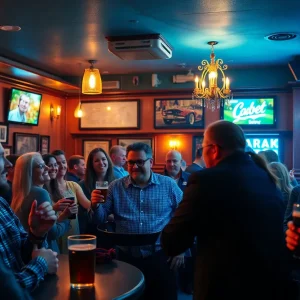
x=282, y=173
x=90, y=177
x=22, y=182
x=52, y=185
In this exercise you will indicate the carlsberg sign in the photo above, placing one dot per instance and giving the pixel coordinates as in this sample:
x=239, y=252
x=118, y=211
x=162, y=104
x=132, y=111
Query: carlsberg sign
x=258, y=111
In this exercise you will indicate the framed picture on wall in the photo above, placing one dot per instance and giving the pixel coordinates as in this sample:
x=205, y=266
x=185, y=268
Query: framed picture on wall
x=197, y=143
x=25, y=142
x=124, y=142
x=44, y=144
x=178, y=113
x=123, y=114
x=4, y=133
x=7, y=150
x=89, y=145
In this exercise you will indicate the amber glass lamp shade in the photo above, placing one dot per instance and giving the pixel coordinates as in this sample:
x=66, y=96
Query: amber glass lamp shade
x=91, y=82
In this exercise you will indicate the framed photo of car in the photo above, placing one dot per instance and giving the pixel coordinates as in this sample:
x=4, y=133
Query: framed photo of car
x=178, y=113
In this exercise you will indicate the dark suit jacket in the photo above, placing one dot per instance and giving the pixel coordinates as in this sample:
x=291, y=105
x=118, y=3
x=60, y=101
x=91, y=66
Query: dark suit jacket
x=236, y=212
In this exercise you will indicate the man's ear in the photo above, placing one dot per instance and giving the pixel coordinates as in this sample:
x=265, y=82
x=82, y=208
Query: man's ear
x=75, y=167
x=151, y=162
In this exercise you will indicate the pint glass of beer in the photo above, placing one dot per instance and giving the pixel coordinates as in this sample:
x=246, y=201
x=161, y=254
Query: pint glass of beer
x=296, y=221
x=103, y=187
x=82, y=260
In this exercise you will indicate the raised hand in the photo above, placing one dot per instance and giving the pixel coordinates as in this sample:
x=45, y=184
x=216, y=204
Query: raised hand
x=96, y=198
x=62, y=204
x=41, y=218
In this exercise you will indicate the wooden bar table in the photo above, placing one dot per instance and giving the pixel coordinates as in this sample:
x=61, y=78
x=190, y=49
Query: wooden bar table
x=116, y=280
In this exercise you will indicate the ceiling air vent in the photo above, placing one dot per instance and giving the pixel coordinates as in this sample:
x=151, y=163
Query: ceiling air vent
x=283, y=36
x=111, y=85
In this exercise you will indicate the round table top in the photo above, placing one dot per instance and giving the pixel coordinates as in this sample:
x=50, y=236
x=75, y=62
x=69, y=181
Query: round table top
x=116, y=280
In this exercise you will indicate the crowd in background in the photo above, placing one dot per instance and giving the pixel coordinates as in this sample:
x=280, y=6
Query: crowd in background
x=223, y=218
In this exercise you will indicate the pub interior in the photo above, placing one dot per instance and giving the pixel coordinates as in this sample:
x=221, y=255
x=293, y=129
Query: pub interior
x=46, y=47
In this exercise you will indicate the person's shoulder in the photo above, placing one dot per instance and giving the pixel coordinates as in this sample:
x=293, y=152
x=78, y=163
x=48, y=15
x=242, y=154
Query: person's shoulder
x=163, y=179
x=36, y=190
x=296, y=189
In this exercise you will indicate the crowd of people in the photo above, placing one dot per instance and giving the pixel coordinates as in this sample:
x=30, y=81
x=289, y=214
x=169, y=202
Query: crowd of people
x=225, y=221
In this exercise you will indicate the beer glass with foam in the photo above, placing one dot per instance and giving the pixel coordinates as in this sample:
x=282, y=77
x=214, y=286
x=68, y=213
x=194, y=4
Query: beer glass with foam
x=82, y=260
x=103, y=187
x=296, y=221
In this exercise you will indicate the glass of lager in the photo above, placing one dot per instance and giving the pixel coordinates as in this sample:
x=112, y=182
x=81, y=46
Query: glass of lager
x=82, y=260
x=103, y=187
x=296, y=221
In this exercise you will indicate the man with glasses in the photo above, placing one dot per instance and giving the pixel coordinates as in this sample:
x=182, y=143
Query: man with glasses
x=236, y=212
x=143, y=203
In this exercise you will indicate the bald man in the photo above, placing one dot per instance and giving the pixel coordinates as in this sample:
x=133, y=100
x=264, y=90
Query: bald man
x=118, y=157
x=173, y=169
x=236, y=212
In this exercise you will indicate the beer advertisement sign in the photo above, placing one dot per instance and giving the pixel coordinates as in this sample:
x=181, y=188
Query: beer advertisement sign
x=263, y=143
x=251, y=111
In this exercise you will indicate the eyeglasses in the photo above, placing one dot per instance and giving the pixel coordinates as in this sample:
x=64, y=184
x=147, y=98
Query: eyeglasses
x=41, y=166
x=139, y=162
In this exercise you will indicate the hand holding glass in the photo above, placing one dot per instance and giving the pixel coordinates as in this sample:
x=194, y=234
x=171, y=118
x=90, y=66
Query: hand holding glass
x=82, y=260
x=103, y=187
x=296, y=221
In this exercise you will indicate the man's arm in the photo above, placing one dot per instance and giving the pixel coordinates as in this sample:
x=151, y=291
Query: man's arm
x=179, y=234
x=100, y=212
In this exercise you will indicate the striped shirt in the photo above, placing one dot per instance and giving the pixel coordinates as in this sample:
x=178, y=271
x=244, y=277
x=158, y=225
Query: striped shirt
x=140, y=210
x=16, y=250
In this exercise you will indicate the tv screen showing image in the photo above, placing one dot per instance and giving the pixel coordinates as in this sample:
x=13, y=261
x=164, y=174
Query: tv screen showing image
x=250, y=112
x=24, y=107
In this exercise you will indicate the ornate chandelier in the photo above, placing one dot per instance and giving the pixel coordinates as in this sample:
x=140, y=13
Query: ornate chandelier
x=213, y=95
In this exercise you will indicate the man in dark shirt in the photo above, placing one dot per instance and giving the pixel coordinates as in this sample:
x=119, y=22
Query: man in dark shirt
x=76, y=168
x=236, y=212
x=197, y=164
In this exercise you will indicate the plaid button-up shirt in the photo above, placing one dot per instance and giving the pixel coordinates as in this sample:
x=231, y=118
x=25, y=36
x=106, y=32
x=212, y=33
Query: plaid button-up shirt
x=140, y=210
x=16, y=249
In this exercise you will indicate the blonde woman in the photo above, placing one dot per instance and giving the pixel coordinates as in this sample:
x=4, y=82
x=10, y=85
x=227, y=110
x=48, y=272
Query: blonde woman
x=69, y=189
x=31, y=174
x=284, y=183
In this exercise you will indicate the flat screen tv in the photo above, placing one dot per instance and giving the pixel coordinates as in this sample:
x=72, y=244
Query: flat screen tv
x=24, y=107
x=251, y=112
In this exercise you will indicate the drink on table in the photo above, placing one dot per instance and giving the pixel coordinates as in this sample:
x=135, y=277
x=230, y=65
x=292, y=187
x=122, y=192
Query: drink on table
x=103, y=187
x=296, y=221
x=82, y=260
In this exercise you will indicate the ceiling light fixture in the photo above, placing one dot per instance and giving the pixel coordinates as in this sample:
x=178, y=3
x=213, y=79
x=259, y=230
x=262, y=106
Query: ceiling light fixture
x=91, y=81
x=10, y=28
x=212, y=95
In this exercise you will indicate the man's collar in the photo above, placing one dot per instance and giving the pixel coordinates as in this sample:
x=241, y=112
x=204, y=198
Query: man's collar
x=129, y=181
